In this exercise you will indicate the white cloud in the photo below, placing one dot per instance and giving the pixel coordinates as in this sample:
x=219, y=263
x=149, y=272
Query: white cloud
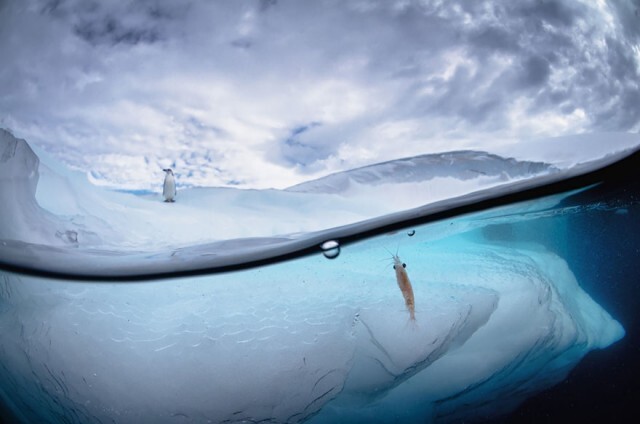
x=223, y=89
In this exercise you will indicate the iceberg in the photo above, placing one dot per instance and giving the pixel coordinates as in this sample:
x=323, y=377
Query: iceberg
x=257, y=325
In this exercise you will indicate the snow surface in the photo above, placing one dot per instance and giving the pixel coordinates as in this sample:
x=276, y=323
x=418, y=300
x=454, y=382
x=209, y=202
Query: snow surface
x=436, y=168
x=267, y=213
x=80, y=214
x=310, y=339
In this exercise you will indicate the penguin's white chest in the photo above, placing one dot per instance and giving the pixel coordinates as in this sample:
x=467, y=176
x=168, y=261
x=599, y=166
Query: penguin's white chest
x=169, y=188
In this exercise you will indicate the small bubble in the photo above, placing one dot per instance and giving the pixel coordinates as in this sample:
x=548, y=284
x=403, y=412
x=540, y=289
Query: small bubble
x=330, y=249
x=411, y=233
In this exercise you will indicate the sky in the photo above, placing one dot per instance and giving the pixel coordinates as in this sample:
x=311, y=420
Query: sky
x=271, y=93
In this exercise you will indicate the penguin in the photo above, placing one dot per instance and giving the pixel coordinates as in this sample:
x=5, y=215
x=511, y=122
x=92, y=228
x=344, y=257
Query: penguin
x=169, y=188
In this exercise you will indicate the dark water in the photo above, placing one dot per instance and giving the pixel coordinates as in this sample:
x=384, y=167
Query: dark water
x=602, y=246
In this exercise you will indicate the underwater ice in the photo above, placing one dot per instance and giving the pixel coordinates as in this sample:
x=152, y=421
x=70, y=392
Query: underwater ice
x=310, y=339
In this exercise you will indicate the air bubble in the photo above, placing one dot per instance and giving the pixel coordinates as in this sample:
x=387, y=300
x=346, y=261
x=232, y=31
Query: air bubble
x=330, y=249
x=411, y=233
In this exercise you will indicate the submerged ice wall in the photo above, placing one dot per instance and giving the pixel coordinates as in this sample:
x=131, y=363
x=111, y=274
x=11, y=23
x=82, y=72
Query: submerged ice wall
x=310, y=339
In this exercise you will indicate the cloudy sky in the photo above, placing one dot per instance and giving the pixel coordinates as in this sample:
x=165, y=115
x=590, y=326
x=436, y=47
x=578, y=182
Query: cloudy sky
x=269, y=93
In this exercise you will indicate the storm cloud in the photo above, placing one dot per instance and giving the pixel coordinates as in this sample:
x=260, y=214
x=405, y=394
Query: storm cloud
x=271, y=93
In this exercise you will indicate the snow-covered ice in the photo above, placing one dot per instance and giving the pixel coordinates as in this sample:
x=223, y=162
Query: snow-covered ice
x=97, y=217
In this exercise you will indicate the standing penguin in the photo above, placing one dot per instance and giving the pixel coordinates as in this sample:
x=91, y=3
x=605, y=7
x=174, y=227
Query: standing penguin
x=169, y=188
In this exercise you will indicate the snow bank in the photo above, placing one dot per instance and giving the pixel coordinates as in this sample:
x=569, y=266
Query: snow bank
x=58, y=205
x=21, y=216
x=460, y=165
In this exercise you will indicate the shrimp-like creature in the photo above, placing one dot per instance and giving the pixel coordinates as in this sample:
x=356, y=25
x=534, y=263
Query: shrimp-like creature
x=405, y=285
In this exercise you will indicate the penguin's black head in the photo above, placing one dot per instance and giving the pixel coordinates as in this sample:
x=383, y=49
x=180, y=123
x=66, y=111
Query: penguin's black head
x=168, y=170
